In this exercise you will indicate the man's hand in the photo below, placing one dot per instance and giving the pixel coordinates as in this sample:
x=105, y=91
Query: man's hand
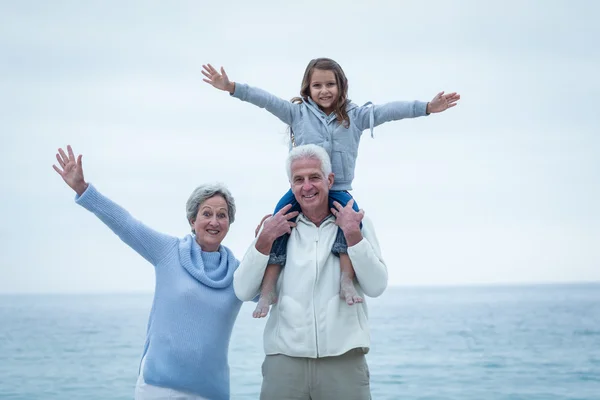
x=275, y=226
x=349, y=221
x=260, y=224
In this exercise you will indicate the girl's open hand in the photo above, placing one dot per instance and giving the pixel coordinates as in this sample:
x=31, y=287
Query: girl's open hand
x=219, y=80
x=442, y=102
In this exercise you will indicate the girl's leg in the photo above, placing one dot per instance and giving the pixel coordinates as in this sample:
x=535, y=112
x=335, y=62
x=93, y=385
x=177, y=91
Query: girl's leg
x=347, y=290
x=268, y=294
x=277, y=258
x=340, y=248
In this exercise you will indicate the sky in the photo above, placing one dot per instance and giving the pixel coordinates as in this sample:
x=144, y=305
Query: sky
x=503, y=188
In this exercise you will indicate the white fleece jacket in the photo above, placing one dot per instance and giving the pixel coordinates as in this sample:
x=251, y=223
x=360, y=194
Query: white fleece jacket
x=310, y=319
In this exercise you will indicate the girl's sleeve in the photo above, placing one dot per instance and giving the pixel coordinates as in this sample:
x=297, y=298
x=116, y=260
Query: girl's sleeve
x=370, y=115
x=286, y=111
x=151, y=245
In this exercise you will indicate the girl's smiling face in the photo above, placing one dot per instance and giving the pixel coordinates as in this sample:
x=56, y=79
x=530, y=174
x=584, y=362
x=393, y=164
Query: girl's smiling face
x=324, y=89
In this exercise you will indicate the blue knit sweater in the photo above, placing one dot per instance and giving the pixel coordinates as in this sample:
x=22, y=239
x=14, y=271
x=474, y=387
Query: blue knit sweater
x=194, y=307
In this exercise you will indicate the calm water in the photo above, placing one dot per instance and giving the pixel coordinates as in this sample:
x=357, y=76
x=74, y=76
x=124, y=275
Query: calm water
x=522, y=342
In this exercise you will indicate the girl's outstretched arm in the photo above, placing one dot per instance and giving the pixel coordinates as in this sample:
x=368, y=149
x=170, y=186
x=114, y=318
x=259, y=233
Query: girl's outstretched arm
x=368, y=117
x=220, y=81
x=284, y=110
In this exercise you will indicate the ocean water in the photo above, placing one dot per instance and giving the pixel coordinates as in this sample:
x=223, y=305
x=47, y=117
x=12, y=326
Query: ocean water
x=514, y=342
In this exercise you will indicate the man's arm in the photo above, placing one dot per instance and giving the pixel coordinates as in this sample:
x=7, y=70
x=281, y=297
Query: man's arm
x=363, y=248
x=248, y=276
x=371, y=271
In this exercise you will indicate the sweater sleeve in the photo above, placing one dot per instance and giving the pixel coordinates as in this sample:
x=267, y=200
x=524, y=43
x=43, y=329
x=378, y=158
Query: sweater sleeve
x=286, y=111
x=151, y=245
x=247, y=278
x=371, y=271
x=368, y=117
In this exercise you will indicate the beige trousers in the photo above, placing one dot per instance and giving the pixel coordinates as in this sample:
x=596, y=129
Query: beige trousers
x=295, y=378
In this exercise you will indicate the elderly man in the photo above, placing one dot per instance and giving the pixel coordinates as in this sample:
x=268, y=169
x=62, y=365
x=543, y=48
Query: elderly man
x=315, y=343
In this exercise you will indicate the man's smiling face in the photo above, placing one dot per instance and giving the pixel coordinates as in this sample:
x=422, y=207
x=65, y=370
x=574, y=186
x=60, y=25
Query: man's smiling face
x=310, y=186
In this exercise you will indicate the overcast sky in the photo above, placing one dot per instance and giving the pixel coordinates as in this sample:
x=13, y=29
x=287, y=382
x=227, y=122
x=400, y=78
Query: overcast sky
x=504, y=188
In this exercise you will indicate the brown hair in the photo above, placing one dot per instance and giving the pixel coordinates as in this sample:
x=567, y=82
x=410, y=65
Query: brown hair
x=327, y=64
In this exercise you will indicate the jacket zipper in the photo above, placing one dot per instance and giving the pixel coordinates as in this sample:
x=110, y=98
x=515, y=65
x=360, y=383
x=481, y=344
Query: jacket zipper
x=314, y=287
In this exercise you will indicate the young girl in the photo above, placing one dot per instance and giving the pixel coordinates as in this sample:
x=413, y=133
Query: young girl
x=323, y=115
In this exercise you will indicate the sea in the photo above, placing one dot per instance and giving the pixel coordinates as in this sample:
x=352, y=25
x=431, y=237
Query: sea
x=531, y=342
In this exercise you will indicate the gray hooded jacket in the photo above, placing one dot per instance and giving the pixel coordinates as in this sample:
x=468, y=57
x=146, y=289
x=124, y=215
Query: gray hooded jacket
x=310, y=125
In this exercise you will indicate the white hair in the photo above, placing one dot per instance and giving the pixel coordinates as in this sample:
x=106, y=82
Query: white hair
x=309, y=151
x=205, y=192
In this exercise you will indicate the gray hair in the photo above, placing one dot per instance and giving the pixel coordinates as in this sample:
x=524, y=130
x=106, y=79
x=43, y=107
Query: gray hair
x=309, y=151
x=205, y=192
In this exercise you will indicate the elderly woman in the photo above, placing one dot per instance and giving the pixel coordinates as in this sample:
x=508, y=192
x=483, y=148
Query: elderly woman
x=194, y=307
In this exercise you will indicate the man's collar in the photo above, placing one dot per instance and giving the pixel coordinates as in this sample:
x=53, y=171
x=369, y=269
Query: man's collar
x=306, y=219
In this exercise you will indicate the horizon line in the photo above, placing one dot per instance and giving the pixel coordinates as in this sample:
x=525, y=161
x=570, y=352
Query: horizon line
x=408, y=286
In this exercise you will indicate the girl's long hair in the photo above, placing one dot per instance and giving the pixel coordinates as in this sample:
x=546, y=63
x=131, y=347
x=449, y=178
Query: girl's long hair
x=328, y=64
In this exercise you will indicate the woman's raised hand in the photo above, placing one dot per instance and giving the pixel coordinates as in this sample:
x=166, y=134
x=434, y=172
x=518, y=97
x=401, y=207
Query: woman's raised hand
x=219, y=80
x=71, y=170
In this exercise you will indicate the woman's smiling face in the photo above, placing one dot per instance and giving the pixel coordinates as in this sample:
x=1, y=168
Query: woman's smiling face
x=212, y=223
